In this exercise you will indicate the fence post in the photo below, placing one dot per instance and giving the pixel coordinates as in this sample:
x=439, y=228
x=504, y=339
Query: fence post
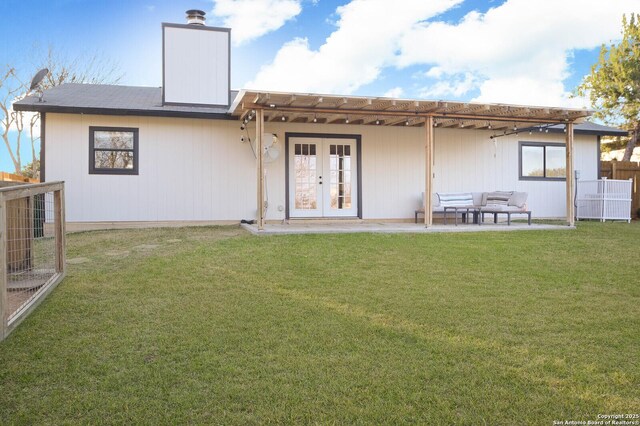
x=614, y=170
x=4, y=301
x=58, y=208
x=31, y=238
x=605, y=195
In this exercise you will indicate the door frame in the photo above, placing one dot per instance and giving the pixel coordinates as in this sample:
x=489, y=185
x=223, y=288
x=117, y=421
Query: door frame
x=358, y=139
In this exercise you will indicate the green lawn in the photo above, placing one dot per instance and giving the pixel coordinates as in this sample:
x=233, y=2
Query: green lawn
x=212, y=325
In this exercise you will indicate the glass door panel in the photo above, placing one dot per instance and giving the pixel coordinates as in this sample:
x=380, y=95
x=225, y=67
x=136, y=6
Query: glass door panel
x=305, y=174
x=341, y=186
x=322, y=177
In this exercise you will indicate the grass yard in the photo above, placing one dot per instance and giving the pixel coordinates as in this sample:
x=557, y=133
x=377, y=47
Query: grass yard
x=212, y=325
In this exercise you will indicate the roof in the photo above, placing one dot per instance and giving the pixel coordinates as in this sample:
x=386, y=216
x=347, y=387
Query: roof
x=305, y=107
x=114, y=100
x=590, y=128
x=296, y=107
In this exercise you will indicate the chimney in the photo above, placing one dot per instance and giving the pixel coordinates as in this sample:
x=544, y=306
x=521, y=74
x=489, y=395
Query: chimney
x=195, y=63
x=195, y=17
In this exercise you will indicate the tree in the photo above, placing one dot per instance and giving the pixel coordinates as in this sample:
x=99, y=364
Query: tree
x=31, y=170
x=14, y=84
x=11, y=88
x=614, y=83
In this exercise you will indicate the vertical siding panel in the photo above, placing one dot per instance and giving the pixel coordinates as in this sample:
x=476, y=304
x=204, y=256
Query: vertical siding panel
x=199, y=169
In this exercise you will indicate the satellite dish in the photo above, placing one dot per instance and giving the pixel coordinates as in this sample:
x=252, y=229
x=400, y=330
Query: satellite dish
x=268, y=139
x=270, y=146
x=271, y=154
x=37, y=79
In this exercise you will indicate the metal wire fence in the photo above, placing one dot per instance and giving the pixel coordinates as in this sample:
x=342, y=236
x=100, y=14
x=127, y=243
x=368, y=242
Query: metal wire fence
x=31, y=246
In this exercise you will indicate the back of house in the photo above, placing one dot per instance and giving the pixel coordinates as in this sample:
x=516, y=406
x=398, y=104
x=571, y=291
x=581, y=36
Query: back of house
x=194, y=151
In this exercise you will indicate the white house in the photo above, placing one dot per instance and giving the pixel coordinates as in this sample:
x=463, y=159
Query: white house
x=196, y=151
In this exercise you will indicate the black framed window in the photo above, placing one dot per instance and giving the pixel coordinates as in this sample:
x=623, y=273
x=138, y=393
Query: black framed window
x=113, y=150
x=542, y=161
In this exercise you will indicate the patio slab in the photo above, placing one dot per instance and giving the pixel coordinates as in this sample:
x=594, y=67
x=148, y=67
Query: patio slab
x=392, y=228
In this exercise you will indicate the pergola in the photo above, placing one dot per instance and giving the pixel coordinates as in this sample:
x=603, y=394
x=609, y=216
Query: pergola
x=333, y=109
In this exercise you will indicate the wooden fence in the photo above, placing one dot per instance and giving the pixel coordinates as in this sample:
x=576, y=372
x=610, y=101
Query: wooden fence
x=11, y=177
x=32, y=248
x=624, y=170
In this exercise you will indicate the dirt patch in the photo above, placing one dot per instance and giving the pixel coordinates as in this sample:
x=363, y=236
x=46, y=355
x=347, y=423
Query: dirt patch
x=146, y=247
x=116, y=253
x=78, y=260
x=174, y=240
x=216, y=236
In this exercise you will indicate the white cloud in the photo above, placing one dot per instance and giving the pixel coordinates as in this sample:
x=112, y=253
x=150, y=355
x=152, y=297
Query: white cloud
x=27, y=116
x=434, y=72
x=365, y=41
x=517, y=52
x=396, y=92
x=250, y=19
x=454, y=88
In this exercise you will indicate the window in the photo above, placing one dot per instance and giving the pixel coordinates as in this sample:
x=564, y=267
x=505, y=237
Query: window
x=113, y=150
x=542, y=161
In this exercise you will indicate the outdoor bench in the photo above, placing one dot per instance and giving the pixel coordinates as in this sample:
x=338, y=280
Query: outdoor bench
x=479, y=203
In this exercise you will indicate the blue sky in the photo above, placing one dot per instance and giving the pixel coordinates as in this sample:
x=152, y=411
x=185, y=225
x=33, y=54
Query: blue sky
x=512, y=51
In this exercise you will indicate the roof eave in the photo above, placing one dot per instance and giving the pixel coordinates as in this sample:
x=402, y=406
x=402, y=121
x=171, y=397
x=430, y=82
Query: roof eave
x=592, y=132
x=237, y=100
x=119, y=111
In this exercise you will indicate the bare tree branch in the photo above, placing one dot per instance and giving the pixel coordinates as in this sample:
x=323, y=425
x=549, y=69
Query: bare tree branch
x=14, y=86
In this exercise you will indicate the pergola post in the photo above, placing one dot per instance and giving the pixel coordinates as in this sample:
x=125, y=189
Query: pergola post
x=260, y=167
x=428, y=171
x=569, y=172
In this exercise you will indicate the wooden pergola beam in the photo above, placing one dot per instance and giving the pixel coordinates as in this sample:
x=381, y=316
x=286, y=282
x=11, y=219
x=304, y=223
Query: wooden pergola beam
x=399, y=113
x=365, y=103
x=372, y=120
x=397, y=120
x=260, y=168
x=569, y=174
x=341, y=102
x=428, y=182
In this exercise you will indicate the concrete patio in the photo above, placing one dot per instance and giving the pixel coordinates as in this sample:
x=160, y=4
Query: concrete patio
x=393, y=228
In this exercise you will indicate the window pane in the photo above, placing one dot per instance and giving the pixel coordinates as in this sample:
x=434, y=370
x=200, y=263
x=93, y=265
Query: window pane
x=556, y=161
x=305, y=169
x=533, y=161
x=340, y=176
x=114, y=159
x=113, y=140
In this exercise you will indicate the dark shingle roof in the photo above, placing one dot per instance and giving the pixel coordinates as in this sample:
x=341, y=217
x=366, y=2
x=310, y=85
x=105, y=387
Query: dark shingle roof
x=589, y=128
x=112, y=99
x=134, y=100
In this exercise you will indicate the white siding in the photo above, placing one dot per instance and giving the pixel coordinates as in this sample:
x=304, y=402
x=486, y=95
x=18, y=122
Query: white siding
x=469, y=161
x=194, y=169
x=196, y=66
x=189, y=169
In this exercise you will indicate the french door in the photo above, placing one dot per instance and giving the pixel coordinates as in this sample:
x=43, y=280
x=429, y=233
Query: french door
x=323, y=177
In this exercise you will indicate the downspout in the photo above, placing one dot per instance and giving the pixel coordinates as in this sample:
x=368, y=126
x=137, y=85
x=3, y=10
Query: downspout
x=43, y=126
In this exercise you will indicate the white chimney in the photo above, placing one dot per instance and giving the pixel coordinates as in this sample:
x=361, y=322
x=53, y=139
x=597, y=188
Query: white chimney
x=195, y=63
